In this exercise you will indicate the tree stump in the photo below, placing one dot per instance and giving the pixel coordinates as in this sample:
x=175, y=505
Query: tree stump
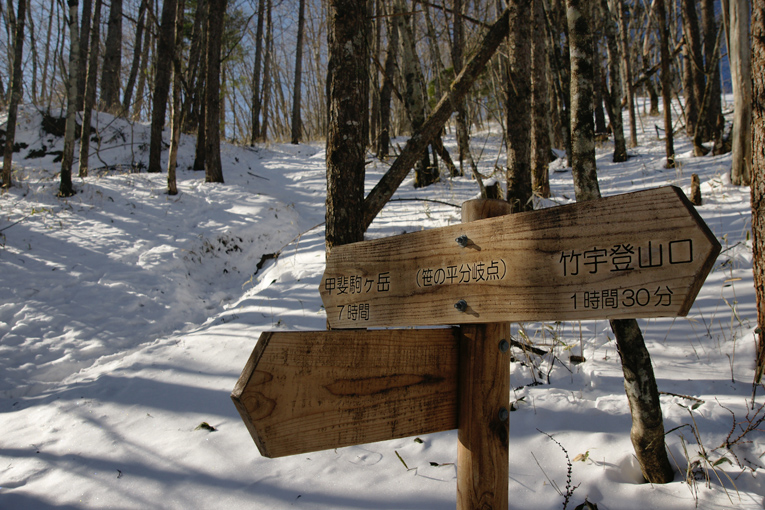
x=695, y=190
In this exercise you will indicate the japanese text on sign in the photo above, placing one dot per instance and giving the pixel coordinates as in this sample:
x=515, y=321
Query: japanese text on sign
x=354, y=312
x=626, y=257
x=462, y=273
x=622, y=298
x=356, y=284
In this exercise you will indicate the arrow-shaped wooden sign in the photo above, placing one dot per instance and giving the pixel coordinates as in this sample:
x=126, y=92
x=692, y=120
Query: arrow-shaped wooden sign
x=643, y=254
x=308, y=391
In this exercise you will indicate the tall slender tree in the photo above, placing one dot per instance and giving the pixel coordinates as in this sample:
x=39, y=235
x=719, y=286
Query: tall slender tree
x=386, y=90
x=739, y=52
x=110, y=72
x=66, y=189
x=693, y=67
x=199, y=86
x=347, y=96
x=758, y=176
x=627, y=65
x=89, y=98
x=414, y=92
x=140, y=26
x=165, y=49
x=647, y=432
x=256, y=74
x=177, y=111
x=296, y=96
x=614, y=92
x=711, y=38
x=518, y=107
x=213, y=168
x=540, y=145
x=666, y=83
x=267, y=72
x=458, y=50
x=582, y=124
x=16, y=88
x=87, y=7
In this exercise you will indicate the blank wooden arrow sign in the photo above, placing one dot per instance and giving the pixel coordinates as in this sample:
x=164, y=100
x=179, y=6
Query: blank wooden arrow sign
x=643, y=254
x=309, y=391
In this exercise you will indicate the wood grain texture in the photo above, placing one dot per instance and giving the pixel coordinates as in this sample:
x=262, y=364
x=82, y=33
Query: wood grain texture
x=308, y=391
x=483, y=446
x=643, y=254
x=484, y=391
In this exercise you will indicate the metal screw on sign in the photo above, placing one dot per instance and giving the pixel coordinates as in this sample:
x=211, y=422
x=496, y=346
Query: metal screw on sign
x=504, y=346
x=463, y=240
x=461, y=305
x=503, y=414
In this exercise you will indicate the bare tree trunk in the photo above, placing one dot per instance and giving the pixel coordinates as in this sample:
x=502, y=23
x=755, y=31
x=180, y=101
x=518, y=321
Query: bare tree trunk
x=560, y=64
x=142, y=75
x=213, y=169
x=376, y=17
x=296, y=123
x=666, y=84
x=654, y=97
x=110, y=73
x=627, y=64
x=89, y=99
x=647, y=432
x=518, y=107
x=758, y=176
x=458, y=49
x=177, y=111
x=195, y=74
x=582, y=125
x=694, y=65
x=256, y=74
x=711, y=68
x=539, y=142
x=383, y=139
x=66, y=189
x=127, y=98
x=87, y=8
x=614, y=93
x=165, y=49
x=200, y=88
x=739, y=53
x=598, y=81
x=35, y=56
x=44, y=92
x=347, y=87
x=414, y=94
x=10, y=129
x=268, y=77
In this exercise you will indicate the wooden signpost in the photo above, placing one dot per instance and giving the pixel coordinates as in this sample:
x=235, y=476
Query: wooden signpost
x=643, y=254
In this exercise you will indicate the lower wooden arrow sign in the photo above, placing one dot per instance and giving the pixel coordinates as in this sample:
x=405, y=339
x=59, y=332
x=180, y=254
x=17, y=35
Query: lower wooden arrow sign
x=309, y=391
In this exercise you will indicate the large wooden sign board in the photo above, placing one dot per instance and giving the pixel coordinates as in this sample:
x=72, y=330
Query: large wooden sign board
x=642, y=254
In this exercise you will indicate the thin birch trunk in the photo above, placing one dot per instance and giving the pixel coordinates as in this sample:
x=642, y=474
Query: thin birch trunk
x=89, y=97
x=177, y=111
x=66, y=189
x=15, y=99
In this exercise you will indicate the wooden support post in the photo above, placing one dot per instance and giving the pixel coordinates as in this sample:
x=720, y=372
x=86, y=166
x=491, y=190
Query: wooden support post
x=483, y=400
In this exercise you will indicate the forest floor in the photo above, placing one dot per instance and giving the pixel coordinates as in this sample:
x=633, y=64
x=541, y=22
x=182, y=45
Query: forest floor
x=127, y=315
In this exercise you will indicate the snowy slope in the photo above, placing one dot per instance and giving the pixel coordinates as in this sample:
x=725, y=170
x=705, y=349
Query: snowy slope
x=127, y=315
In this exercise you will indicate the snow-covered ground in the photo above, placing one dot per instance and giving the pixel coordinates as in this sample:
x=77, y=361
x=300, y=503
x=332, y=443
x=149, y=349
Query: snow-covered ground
x=126, y=316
